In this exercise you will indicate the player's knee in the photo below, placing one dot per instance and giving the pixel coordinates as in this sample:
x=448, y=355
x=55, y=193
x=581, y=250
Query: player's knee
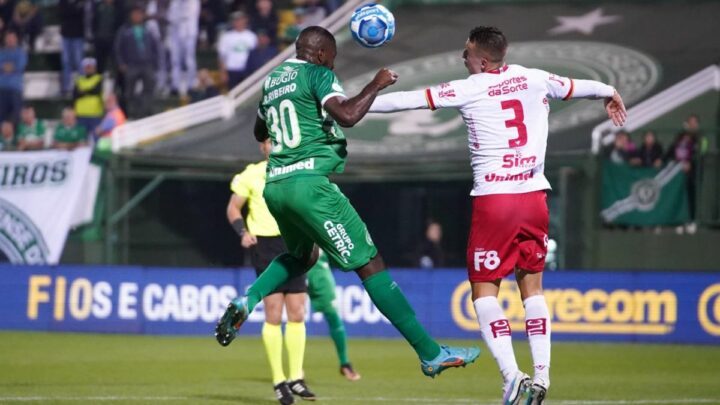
x=296, y=313
x=374, y=266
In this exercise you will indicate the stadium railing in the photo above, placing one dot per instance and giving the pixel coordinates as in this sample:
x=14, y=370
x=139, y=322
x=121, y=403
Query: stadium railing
x=660, y=104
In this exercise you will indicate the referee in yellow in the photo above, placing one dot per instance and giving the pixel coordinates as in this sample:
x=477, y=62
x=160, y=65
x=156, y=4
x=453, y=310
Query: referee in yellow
x=262, y=237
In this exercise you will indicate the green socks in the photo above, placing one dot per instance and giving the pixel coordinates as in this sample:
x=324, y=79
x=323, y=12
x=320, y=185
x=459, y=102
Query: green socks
x=279, y=270
x=387, y=297
x=337, y=333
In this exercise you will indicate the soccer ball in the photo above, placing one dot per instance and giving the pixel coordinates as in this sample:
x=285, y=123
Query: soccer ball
x=372, y=25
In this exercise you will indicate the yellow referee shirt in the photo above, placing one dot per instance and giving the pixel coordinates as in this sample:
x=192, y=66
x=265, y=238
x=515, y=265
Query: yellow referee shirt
x=250, y=185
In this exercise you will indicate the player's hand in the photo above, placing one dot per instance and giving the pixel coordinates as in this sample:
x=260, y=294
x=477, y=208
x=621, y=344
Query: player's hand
x=248, y=240
x=616, y=109
x=384, y=78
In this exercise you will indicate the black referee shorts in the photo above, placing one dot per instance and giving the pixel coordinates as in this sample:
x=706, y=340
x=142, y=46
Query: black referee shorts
x=267, y=249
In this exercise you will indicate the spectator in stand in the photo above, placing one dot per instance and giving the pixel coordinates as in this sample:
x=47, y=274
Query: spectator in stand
x=205, y=88
x=265, y=19
x=621, y=150
x=105, y=24
x=157, y=12
x=31, y=130
x=314, y=13
x=683, y=151
x=431, y=253
x=183, y=16
x=262, y=54
x=7, y=140
x=136, y=54
x=27, y=21
x=68, y=134
x=212, y=15
x=72, y=30
x=234, y=48
x=87, y=96
x=650, y=153
x=692, y=126
x=7, y=8
x=13, y=60
x=114, y=117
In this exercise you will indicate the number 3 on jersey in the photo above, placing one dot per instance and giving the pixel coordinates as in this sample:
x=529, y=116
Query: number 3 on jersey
x=284, y=134
x=516, y=122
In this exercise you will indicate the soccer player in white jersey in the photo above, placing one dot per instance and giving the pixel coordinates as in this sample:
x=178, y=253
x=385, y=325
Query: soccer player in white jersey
x=505, y=108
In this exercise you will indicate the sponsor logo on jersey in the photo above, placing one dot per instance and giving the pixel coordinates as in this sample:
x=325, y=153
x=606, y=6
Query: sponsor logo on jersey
x=442, y=133
x=21, y=242
x=308, y=164
x=340, y=239
x=594, y=311
x=494, y=177
x=508, y=86
x=518, y=160
x=288, y=74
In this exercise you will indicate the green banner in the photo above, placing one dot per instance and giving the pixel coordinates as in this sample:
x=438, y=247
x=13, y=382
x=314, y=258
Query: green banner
x=644, y=196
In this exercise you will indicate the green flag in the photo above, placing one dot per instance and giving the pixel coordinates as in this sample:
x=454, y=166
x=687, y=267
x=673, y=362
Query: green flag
x=644, y=196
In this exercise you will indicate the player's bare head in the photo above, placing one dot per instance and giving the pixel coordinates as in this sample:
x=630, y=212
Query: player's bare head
x=317, y=45
x=485, y=49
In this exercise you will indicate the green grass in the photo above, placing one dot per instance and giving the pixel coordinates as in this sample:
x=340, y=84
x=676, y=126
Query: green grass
x=69, y=368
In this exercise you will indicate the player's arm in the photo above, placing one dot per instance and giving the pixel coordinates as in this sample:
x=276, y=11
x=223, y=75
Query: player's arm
x=234, y=212
x=445, y=95
x=348, y=111
x=260, y=130
x=565, y=88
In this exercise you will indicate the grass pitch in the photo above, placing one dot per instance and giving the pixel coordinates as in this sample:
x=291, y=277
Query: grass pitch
x=85, y=368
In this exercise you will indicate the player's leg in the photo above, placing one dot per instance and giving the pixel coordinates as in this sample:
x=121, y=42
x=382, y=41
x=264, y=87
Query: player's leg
x=321, y=290
x=301, y=256
x=491, y=255
x=339, y=231
x=390, y=300
x=531, y=262
x=272, y=337
x=537, y=327
x=295, y=338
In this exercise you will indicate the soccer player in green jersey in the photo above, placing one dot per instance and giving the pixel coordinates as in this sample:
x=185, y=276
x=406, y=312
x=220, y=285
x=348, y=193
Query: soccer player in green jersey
x=302, y=105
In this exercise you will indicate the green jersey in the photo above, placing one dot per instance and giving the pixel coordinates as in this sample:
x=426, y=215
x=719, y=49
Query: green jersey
x=306, y=140
x=74, y=134
x=33, y=132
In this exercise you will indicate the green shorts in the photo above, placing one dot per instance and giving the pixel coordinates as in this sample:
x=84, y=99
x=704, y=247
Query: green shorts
x=310, y=210
x=321, y=285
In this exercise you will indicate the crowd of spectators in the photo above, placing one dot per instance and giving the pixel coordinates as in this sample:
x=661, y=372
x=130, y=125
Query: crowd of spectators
x=139, y=50
x=685, y=148
x=650, y=153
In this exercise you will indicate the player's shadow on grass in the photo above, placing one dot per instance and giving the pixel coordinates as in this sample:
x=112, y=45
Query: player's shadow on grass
x=235, y=399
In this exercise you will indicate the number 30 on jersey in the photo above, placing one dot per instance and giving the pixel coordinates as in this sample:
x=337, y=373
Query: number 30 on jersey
x=284, y=126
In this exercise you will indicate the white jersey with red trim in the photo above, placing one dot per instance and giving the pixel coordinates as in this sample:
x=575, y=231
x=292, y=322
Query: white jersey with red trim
x=506, y=114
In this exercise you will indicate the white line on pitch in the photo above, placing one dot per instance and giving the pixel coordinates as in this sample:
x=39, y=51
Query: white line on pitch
x=561, y=402
x=92, y=398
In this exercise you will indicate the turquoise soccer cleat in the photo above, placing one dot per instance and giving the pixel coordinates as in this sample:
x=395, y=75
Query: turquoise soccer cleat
x=234, y=316
x=449, y=357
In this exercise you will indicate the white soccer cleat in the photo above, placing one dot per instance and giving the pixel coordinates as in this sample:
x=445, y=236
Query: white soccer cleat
x=515, y=388
x=537, y=391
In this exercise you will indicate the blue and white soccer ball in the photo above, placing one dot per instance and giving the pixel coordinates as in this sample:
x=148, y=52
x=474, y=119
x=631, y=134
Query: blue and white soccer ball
x=372, y=25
